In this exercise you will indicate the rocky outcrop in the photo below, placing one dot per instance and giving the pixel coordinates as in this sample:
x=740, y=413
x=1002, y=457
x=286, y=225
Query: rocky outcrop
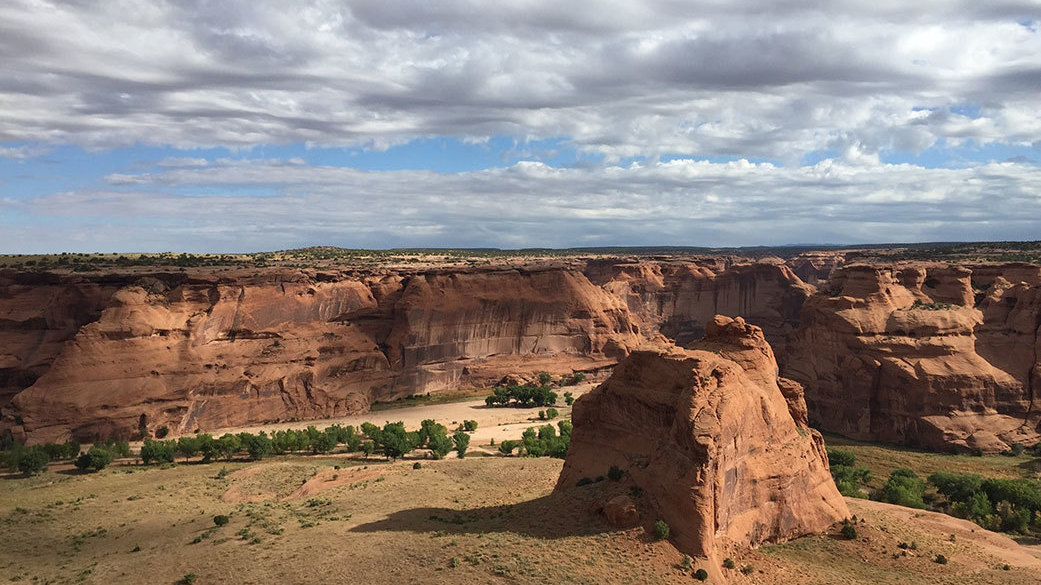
x=203, y=352
x=707, y=436
x=922, y=355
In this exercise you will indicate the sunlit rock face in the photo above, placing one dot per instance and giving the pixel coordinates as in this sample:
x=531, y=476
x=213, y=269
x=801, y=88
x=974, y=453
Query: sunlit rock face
x=709, y=439
x=944, y=357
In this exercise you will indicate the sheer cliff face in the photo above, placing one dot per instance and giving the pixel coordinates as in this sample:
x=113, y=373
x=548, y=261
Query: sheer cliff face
x=930, y=354
x=102, y=360
x=100, y=355
x=709, y=437
x=938, y=356
x=679, y=298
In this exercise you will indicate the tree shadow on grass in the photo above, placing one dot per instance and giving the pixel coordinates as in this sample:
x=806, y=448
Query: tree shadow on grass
x=557, y=515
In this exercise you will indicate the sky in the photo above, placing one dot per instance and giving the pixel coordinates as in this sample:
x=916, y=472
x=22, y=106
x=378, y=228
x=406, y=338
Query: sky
x=235, y=126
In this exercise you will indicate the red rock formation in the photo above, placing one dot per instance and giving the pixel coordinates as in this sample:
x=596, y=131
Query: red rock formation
x=901, y=354
x=707, y=434
x=205, y=352
x=678, y=298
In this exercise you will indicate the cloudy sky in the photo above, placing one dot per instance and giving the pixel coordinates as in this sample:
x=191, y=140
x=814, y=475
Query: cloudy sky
x=144, y=125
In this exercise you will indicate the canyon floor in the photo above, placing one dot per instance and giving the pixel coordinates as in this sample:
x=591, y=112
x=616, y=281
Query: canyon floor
x=483, y=519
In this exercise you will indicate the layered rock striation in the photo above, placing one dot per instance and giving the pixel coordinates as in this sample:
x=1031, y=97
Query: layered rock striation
x=206, y=352
x=710, y=440
x=937, y=356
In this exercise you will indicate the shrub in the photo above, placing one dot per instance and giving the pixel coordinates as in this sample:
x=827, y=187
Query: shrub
x=417, y=465
x=507, y=447
x=614, y=473
x=661, y=530
x=1022, y=493
x=729, y=563
x=685, y=563
x=940, y=560
x=394, y=440
x=439, y=442
x=903, y=488
x=188, y=579
x=569, y=398
x=584, y=481
x=747, y=570
x=956, y=487
x=701, y=574
x=551, y=413
x=542, y=415
x=221, y=520
x=545, y=379
x=462, y=442
x=849, y=531
x=32, y=461
x=95, y=459
x=162, y=431
x=157, y=452
x=841, y=457
x=469, y=426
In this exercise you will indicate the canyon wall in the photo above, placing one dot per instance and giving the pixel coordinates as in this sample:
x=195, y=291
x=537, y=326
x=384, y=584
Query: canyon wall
x=932, y=355
x=929, y=354
x=102, y=357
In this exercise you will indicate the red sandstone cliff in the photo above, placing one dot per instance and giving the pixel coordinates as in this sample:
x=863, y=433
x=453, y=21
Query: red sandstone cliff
x=707, y=435
x=99, y=355
x=678, y=298
x=204, y=352
x=939, y=356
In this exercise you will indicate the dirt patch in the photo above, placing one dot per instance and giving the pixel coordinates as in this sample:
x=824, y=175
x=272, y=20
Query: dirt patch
x=331, y=478
x=1001, y=548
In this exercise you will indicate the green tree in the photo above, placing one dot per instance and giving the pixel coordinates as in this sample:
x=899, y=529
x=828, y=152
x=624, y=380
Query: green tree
x=903, y=488
x=439, y=442
x=188, y=446
x=157, y=451
x=95, y=459
x=258, y=446
x=322, y=443
x=507, y=447
x=229, y=445
x=841, y=457
x=208, y=446
x=32, y=461
x=462, y=441
x=394, y=440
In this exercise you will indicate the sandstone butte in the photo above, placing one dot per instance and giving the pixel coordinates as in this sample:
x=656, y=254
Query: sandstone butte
x=708, y=437
x=930, y=354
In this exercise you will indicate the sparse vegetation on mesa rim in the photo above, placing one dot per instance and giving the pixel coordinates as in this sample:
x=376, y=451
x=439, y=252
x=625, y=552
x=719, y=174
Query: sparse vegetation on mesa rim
x=319, y=257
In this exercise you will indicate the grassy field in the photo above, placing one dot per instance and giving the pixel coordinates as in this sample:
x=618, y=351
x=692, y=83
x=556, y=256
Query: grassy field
x=883, y=459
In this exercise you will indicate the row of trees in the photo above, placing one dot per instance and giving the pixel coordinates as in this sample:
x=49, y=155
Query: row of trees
x=1010, y=505
x=542, y=442
x=35, y=459
x=392, y=440
x=522, y=396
